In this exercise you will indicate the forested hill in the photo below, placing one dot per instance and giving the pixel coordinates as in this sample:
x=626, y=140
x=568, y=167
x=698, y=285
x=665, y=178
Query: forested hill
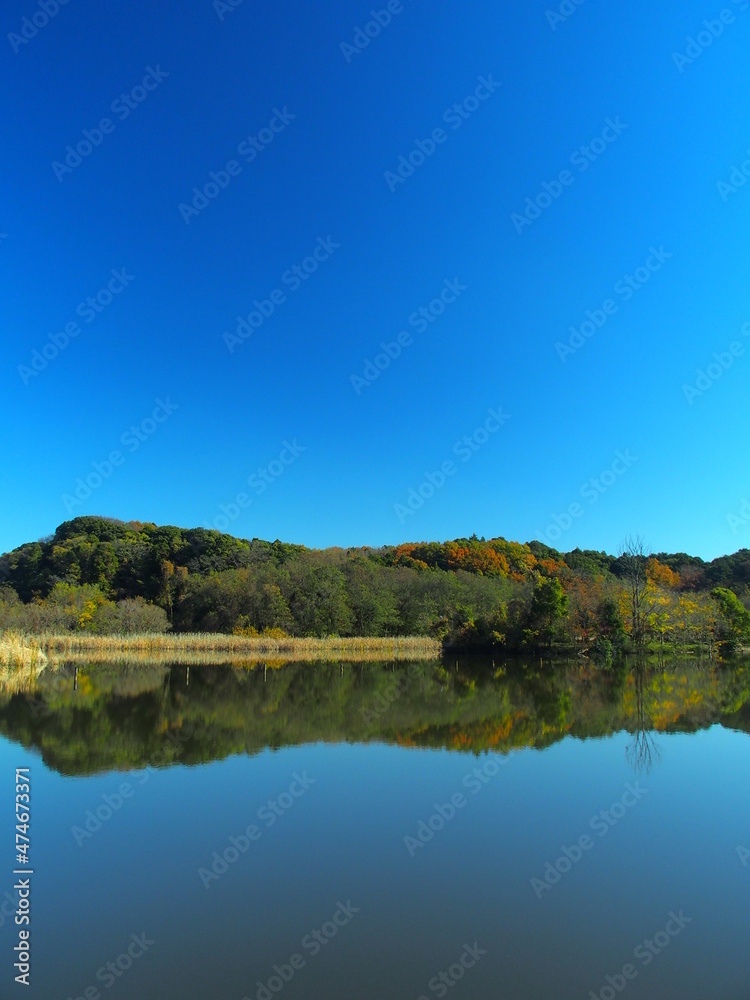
x=127, y=559
x=200, y=579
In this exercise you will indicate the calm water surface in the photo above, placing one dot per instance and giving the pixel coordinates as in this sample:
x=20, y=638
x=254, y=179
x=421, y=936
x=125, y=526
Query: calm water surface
x=330, y=832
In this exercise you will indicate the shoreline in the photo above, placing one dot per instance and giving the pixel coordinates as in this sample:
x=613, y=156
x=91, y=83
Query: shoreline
x=19, y=650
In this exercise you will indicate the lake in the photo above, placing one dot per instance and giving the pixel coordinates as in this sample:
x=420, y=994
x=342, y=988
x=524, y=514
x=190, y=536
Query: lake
x=445, y=829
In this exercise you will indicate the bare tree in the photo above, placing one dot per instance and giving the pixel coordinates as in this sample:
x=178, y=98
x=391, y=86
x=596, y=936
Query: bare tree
x=634, y=556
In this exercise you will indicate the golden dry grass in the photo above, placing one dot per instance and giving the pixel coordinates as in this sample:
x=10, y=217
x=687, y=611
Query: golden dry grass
x=21, y=662
x=18, y=650
x=207, y=648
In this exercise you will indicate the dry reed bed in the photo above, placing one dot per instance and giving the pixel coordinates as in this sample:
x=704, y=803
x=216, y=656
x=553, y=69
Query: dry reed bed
x=18, y=651
x=206, y=648
x=232, y=660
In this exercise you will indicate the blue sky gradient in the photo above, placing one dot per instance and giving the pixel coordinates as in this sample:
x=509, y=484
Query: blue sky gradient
x=306, y=429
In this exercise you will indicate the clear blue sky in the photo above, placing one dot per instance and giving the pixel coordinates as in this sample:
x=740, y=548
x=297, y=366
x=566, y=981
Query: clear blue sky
x=330, y=126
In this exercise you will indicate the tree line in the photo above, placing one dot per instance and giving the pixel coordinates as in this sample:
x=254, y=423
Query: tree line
x=110, y=577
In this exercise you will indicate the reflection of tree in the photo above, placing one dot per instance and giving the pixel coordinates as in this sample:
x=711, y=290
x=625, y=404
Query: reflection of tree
x=120, y=717
x=642, y=753
x=552, y=701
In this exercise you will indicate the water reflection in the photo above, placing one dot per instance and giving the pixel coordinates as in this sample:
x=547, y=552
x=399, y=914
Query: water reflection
x=20, y=680
x=89, y=718
x=642, y=753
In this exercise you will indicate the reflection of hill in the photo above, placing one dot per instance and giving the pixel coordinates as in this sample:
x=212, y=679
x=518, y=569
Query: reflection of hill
x=102, y=718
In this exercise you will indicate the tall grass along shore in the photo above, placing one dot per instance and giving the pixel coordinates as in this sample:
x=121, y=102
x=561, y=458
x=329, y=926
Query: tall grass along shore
x=18, y=650
x=185, y=646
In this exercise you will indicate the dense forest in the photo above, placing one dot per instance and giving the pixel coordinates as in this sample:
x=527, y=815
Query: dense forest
x=105, y=576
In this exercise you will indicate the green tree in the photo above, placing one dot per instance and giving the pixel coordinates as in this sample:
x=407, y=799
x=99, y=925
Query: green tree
x=611, y=638
x=371, y=600
x=319, y=603
x=734, y=618
x=549, y=605
x=272, y=609
x=130, y=617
